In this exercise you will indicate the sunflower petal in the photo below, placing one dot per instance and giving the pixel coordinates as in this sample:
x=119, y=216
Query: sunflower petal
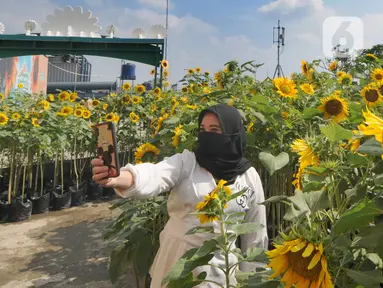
x=309, y=249
x=299, y=246
x=314, y=261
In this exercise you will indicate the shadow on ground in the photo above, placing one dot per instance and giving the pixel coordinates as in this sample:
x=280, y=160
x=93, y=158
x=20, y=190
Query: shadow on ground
x=79, y=257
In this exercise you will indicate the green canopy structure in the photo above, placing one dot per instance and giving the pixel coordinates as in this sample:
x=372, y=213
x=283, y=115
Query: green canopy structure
x=146, y=51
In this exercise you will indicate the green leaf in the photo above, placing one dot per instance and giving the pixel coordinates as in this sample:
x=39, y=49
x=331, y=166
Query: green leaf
x=259, y=99
x=172, y=120
x=143, y=257
x=374, y=258
x=378, y=168
x=378, y=179
x=254, y=254
x=195, y=230
x=117, y=263
x=335, y=132
x=359, y=216
x=309, y=113
x=274, y=163
x=371, y=147
x=370, y=279
x=312, y=186
x=317, y=200
x=356, y=193
x=260, y=117
x=246, y=228
x=318, y=170
x=274, y=199
x=356, y=159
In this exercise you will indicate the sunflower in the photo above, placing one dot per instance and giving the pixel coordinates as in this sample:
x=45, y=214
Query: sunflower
x=166, y=84
x=304, y=67
x=340, y=73
x=165, y=64
x=95, y=102
x=207, y=73
x=371, y=95
x=345, y=79
x=136, y=99
x=2, y=97
x=3, y=118
x=63, y=96
x=45, y=104
x=185, y=89
x=333, y=65
x=377, y=74
x=157, y=91
x=250, y=127
x=306, y=153
x=307, y=88
x=126, y=99
x=152, y=72
x=310, y=74
x=112, y=95
x=86, y=114
x=78, y=112
x=371, y=56
x=286, y=88
x=51, y=97
x=373, y=126
x=176, y=138
x=134, y=117
x=198, y=69
x=126, y=86
x=66, y=110
x=116, y=118
x=166, y=73
x=143, y=150
x=190, y=71
x=16, y=116
x=334, y=106
x=140, y=89
x=105, y=106
x=284, y=115
x=20, y=85
x=302, y=264
x=109, y=117
x=35, y=122
x=73, y=97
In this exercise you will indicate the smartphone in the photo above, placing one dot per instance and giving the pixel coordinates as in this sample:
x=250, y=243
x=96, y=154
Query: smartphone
x=107, y=146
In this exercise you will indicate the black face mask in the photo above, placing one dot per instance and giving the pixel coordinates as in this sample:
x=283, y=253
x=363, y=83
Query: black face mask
x=217, y=145
x=222, y=154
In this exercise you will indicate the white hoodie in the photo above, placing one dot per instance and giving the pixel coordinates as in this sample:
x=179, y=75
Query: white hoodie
x=189, y=183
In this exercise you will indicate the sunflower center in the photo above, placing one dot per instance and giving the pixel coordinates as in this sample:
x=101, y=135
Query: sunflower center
x=372, y=95
x=285, y=89
x=333, y=107
x=378, y=77
x=300, y=264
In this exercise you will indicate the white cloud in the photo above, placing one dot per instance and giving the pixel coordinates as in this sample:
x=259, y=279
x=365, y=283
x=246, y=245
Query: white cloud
x=156, y=3
x=288, y=6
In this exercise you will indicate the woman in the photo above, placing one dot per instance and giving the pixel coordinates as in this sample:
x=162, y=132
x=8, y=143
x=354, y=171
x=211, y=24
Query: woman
x=190, y=176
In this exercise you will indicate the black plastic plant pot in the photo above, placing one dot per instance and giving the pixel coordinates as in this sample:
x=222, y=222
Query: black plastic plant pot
x=108, y=192
x=78, y=195
x=61, y=201
x=94, y=191
x=4, y=211
x=20, y=210
x=41, y=203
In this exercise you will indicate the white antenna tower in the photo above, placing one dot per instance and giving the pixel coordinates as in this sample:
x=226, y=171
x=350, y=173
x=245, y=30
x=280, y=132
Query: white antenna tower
x=138, y=33
x=157, y=31
x=2, y=28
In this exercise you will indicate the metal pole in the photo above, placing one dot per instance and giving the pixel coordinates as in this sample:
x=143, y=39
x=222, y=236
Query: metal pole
x=279, y=33
x=166, y=27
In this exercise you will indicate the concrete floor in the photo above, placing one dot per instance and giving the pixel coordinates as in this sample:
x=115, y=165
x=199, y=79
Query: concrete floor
x=61, y=249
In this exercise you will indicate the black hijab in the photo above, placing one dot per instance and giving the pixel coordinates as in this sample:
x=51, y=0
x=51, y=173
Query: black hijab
x=223, y=154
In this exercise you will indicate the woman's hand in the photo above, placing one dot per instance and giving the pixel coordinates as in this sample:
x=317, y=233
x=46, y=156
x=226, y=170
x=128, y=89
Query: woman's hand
x=101, y=174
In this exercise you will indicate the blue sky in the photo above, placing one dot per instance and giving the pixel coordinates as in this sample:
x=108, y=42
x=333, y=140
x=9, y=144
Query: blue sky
x=208, y=33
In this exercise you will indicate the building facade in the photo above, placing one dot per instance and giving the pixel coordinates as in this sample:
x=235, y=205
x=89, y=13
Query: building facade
x=69, y=68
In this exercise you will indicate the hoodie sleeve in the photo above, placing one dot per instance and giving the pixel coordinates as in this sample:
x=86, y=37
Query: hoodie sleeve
x=151, y=179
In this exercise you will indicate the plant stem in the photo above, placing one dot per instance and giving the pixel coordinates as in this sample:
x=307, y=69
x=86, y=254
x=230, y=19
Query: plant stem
x=42, y=174
x=24, y=177
x=226, y=254
x=62, y=172
x=13, y=151
x=74, y=161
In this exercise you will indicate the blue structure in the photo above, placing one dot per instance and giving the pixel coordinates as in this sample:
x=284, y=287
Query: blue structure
x=128, y=71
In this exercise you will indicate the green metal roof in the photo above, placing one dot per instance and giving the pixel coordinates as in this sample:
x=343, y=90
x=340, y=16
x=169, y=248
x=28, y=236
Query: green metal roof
x=147, y=51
